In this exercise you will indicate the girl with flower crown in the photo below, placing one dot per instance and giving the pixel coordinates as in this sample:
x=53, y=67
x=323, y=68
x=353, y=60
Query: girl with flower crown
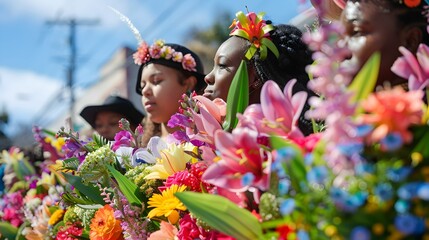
x=385, y=26
x=167, y=72
x=273, y=53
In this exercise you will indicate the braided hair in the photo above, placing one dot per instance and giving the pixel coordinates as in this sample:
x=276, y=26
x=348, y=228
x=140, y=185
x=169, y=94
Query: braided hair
x=294, y=57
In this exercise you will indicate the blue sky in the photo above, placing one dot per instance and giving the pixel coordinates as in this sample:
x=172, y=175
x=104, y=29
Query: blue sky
x=33, y=54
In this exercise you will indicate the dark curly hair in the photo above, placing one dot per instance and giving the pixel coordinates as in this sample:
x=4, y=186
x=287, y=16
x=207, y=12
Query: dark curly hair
x=294, y=57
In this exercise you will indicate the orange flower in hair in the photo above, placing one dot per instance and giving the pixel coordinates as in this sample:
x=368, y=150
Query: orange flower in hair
x=412, y=3
x=253, y=28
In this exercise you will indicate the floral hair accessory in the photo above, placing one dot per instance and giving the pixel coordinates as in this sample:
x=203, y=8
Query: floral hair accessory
x=252, y=27
x=159, y=50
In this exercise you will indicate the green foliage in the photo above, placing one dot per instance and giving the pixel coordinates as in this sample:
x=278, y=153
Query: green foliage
x=127, y=187
x=238, y=97
x=87, y=192
x=364, y=82
x=7, y=231
x=221, y=214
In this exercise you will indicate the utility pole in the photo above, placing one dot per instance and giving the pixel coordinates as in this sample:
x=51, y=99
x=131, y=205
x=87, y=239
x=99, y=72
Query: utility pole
x=72, y=24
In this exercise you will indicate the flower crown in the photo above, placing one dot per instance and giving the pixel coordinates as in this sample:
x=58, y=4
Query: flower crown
x=159, y=50
x=252, y=27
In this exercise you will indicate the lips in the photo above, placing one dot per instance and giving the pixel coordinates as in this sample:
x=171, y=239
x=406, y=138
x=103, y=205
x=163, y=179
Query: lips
x=149, y=105
x=208, y=94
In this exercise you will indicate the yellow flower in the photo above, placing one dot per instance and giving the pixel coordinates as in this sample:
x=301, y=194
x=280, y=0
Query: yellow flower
x=58, y=143
x=166, y=204
x=56, y=217
x=173, y=160
x=104, y=225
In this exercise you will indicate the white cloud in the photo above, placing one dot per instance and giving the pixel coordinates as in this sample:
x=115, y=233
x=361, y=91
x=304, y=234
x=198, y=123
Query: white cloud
x=24, y=94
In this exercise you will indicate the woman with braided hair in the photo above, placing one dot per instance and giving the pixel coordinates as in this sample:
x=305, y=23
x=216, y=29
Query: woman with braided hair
x=292, y=58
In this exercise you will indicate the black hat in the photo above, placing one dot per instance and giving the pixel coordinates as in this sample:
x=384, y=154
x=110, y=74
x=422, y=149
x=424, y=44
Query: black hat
x=113, y=104
x=199, y=73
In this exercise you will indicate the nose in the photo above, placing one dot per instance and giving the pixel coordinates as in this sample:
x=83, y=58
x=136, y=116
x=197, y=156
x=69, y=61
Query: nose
x=146, y=90
x=209, y=78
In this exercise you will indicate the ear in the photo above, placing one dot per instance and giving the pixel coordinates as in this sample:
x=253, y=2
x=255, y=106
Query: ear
x=412, y=37
x=191, y=83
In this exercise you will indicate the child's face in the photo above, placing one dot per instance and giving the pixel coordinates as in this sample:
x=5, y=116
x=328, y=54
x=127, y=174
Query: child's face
x=161, y=91
x=226, y=62
x=370, y=28
x=107, y=124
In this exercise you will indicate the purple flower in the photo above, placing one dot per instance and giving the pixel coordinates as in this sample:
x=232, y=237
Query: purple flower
x=72, y=148
x=398, y=174
x=409, y=190
x=391, y=142
x=181, y=136
x=384, y=191
x=179, y=120
x=409, y=224
x=423, y=191
x=360, y=233
x=122, y=139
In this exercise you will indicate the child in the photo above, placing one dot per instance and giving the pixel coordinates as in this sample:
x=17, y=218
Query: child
x=104, y=118
x=167, y=72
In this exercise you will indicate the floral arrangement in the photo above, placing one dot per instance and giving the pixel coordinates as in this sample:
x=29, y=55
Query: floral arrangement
x=252, y=27
x=160, y=50
x=233, y=171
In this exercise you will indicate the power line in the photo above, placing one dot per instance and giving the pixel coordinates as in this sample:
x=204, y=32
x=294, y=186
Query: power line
x=72, y=24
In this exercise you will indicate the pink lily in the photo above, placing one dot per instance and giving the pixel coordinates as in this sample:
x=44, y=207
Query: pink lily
x=416, y=70
x=278, y=112
x=216, y=108
x=241, y=164
x=208, y=121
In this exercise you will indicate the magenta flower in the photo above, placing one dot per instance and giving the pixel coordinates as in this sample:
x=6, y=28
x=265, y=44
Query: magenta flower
x=123, y=139
x=240, y=155
x=416, y=70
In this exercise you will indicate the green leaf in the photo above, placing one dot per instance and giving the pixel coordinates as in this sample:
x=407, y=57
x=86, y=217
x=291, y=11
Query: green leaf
x=221, y=214
x=91, y=192
x=7, y=230
x=127, y=187
x=238, y=97
x=295, y=167
x=71, y=164
x=364, y=82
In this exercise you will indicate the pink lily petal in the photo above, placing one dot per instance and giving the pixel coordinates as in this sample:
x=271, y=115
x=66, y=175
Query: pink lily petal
x=412, y=61
x=219, y=174
x=274, y=104
x=209, y=106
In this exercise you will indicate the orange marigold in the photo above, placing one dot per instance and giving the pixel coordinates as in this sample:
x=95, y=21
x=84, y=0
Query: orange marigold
x=104, y=226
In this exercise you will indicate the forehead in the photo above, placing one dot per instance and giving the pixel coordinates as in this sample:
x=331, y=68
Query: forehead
x=370, y=12
x=107, y=115
x=154, y=69
x=233, y=48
